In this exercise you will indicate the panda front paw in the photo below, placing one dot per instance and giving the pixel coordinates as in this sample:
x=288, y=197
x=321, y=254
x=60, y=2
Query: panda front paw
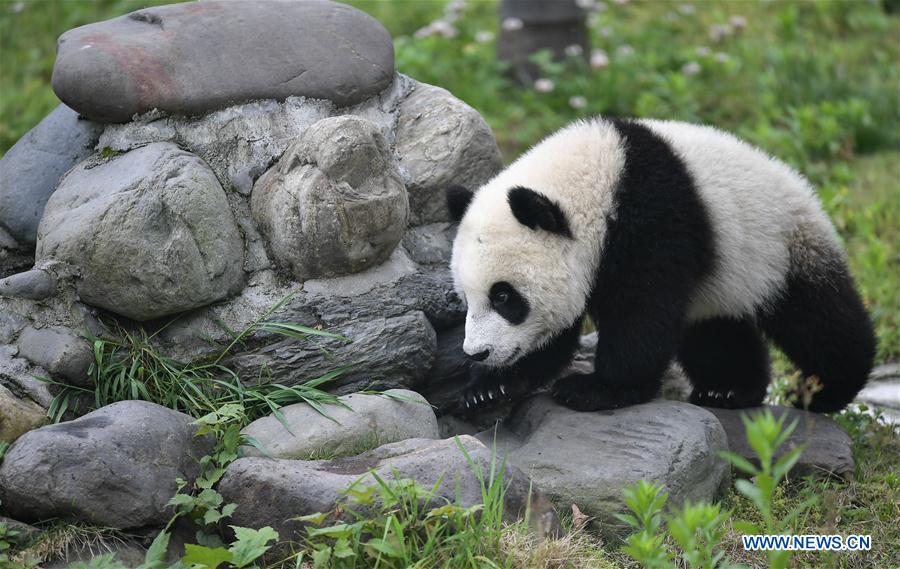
x=485, y=393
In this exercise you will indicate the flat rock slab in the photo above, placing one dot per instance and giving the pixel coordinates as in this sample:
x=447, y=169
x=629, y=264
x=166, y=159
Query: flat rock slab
x=115, y=466
x=18, y=415
x=366, y=421
x=829, y=450
x=272, y=492
x=192, y=58
x=150, y=232
x=30, y=170
x=587, y=459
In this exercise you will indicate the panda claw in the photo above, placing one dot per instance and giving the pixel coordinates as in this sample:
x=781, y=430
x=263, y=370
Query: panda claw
x=710, y=393
x=503, y=390
x=490, y=395
x=729, y=395
x=467, y=404
x=481, y=396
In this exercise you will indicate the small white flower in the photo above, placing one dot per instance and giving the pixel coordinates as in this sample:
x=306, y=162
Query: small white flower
x=544, y=85
x=702, y=51
x=444, y=28
x=512, y=24
x=599, y=59
x=574, y=50
x=738, y=22
x=586, y=4
x=484, y=36
x=718, y=32
x=423, y=33
x=691, y=68
x=686, y=9
x=621, y=2
x=455, y=6
x=606, y=32
x=625, y=50
x=722, y=57
x=17, y=7
x=577, y=102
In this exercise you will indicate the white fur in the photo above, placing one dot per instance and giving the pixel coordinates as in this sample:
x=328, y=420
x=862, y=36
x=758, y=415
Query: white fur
x=759, y=209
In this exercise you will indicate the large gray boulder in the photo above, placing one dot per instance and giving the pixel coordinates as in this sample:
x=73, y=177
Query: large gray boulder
x=150, y=233
x=193, y=57
x=30, y=170
x=334, y=204
x=273, y=492
x=115, y=466
x=360, y=421
x=587, y=459
x=441, y=141
x=828, y=447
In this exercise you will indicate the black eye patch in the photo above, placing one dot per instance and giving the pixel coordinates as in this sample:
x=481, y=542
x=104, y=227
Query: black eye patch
x=508, y=303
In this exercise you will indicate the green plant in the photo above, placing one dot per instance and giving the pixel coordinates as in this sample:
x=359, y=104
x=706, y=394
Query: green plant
x=7, y=540
x=133, y=368
x=393, y=523
x=4, y=446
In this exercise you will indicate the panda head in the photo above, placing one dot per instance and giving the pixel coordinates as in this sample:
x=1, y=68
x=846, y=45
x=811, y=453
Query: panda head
x=511, y=264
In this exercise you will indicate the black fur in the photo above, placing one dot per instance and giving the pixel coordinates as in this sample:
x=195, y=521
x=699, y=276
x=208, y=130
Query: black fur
x=727, y=361
x=659, y=246
x=458, y=200
x=521, y=378
x=822, y=326
x=508, y=303
x=536, y=211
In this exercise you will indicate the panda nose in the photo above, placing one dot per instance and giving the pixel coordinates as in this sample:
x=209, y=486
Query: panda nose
x=480, y=356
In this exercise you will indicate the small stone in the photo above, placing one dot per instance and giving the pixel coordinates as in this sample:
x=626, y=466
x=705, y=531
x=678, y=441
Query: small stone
x=430, y=244
x=587, y=459
x=24, y=532
x=829, y=450
x=35, y=284
x=114, y=467
x=31, y=169
x=18, y=416
x=274, y=492
x=192, y=58
x=150, y=232
x=334, y=204
x=58, y=351
x=442, y=141
x=366, y=421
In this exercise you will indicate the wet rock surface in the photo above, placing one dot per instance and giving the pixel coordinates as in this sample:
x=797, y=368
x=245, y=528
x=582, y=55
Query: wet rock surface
x=115, y=466
x=192, y=58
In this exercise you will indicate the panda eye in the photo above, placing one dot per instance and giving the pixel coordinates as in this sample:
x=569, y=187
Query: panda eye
x=501, y=297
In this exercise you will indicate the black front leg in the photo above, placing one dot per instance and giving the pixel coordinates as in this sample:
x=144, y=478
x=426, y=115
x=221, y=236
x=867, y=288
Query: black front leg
x=489, y=387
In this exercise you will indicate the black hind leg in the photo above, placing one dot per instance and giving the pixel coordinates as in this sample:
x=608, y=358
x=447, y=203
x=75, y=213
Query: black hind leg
x=822, y=326
x=727, y=362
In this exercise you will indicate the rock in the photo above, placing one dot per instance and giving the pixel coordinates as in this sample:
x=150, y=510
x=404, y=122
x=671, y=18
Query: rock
x=883, y=389
x=18, y=416
x=115, y=466
x=334, y=204
x=366, y=421
x=24, y=533
x=829, y=451
x=195, y=57
x=587, y=459
x=58, y=351
x=272, y=492
x=442, y=141
x=19, y=376
x=31, y=169
x=150, y=232
x=430, y=244
x=35, y=284
x=10, y=326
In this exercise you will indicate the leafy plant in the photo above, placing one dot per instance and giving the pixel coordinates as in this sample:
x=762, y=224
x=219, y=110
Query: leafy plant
x=133, y=368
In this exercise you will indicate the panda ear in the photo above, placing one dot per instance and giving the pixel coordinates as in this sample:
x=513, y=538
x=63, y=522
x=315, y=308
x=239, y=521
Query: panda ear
x=536, y=211
x=458, y=199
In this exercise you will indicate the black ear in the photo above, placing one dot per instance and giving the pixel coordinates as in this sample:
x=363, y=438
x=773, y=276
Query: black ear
x=458, y=199
x=538, y=212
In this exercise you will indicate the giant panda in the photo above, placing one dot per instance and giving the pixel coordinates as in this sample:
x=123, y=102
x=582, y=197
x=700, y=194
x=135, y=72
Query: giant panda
x=681, y=242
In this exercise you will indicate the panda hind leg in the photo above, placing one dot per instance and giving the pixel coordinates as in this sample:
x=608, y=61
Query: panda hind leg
x=727, y=362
